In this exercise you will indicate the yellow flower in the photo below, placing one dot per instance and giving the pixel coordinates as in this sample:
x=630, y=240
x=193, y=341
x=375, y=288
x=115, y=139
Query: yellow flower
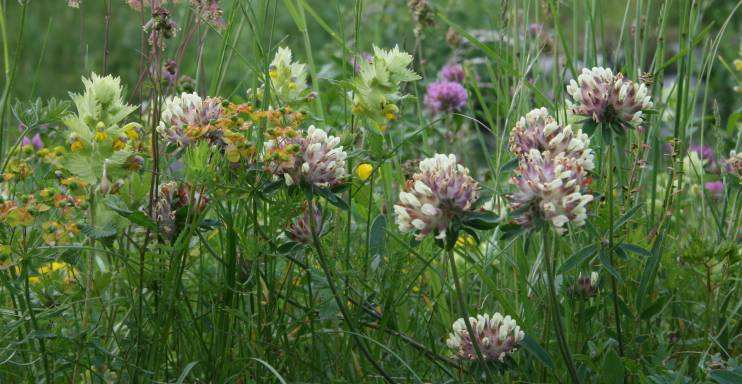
x=77, y=145
x=364, y=171
x=118, y=145
x=465, y=240
x=131, y=133
x=101, y=136
x=738, y=64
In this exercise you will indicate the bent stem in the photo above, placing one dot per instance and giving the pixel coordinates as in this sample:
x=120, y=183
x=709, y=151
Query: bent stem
x=554, y=304
x=339, y=300
x=464, y=313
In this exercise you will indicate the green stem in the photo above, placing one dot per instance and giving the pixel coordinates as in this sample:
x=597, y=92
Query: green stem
x=339, y=300
x=464, y=312
x=614, y=285
x=554, y=304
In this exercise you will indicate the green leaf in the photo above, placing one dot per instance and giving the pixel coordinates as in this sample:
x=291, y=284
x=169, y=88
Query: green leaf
x=333, y=198
x=634, y=249
x=510, y=165
x=603, y=255
x=481, y=220
x=613, y=369
x=655, y=308
x=511, y=231
x=626, y=216
x=532, y=346
x=578, y=258
x=115, y=203
x=733, y=376
x=377, y=236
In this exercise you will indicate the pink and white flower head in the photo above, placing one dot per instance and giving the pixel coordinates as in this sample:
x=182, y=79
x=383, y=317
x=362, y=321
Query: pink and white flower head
x=549, y=189
x=301, y=228
x=608, y=98
x=315, y=158
x=733, y=165
x=441, y=191
x=496, y=337
x=538, y=130
x=184, y=111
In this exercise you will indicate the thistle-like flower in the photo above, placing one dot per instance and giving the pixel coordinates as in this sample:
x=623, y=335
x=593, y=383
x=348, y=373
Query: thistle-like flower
x=495, y=336
x=441, y=191
x=549, y=189
x=453, y=72
x=445, y=97
x=315, y=158
x=538, y=130
x=300, y=229
x=608, y=98
x=187, y=117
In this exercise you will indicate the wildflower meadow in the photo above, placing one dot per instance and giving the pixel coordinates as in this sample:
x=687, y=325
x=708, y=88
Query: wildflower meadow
x=371, y=191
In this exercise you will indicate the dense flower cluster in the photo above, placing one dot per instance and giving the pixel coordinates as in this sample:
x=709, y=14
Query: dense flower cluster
x=453, y=72
x=552, y=171
x=301, y=227
x=447, y=94
x=538, y=130
x=313, y=157
x=441, y=191
x=445, y=97
x=733, y=164
x=608, y=98
x=585, y=287
x=173, y=201
x=496, y=337
x=187, y=117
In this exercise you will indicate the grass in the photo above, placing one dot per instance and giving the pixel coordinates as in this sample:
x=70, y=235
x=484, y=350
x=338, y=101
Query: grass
x=219, y=293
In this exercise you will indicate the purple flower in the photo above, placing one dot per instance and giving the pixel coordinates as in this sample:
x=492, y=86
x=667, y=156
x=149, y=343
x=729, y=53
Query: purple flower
x=37, y=142
x=445, y=96
x=705, y=152
x=715, y=188
x=453, y=72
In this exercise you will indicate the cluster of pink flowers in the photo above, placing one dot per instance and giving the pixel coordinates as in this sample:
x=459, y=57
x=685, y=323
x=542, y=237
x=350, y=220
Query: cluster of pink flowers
x=551, y=174
x=314, y=158
x=608, y=98
x=447, y=95
x=189, y=110
x=496, y=337
x=441, y=191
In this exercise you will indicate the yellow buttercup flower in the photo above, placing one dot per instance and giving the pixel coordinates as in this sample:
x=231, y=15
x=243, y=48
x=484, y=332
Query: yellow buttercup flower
x=364, y=171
